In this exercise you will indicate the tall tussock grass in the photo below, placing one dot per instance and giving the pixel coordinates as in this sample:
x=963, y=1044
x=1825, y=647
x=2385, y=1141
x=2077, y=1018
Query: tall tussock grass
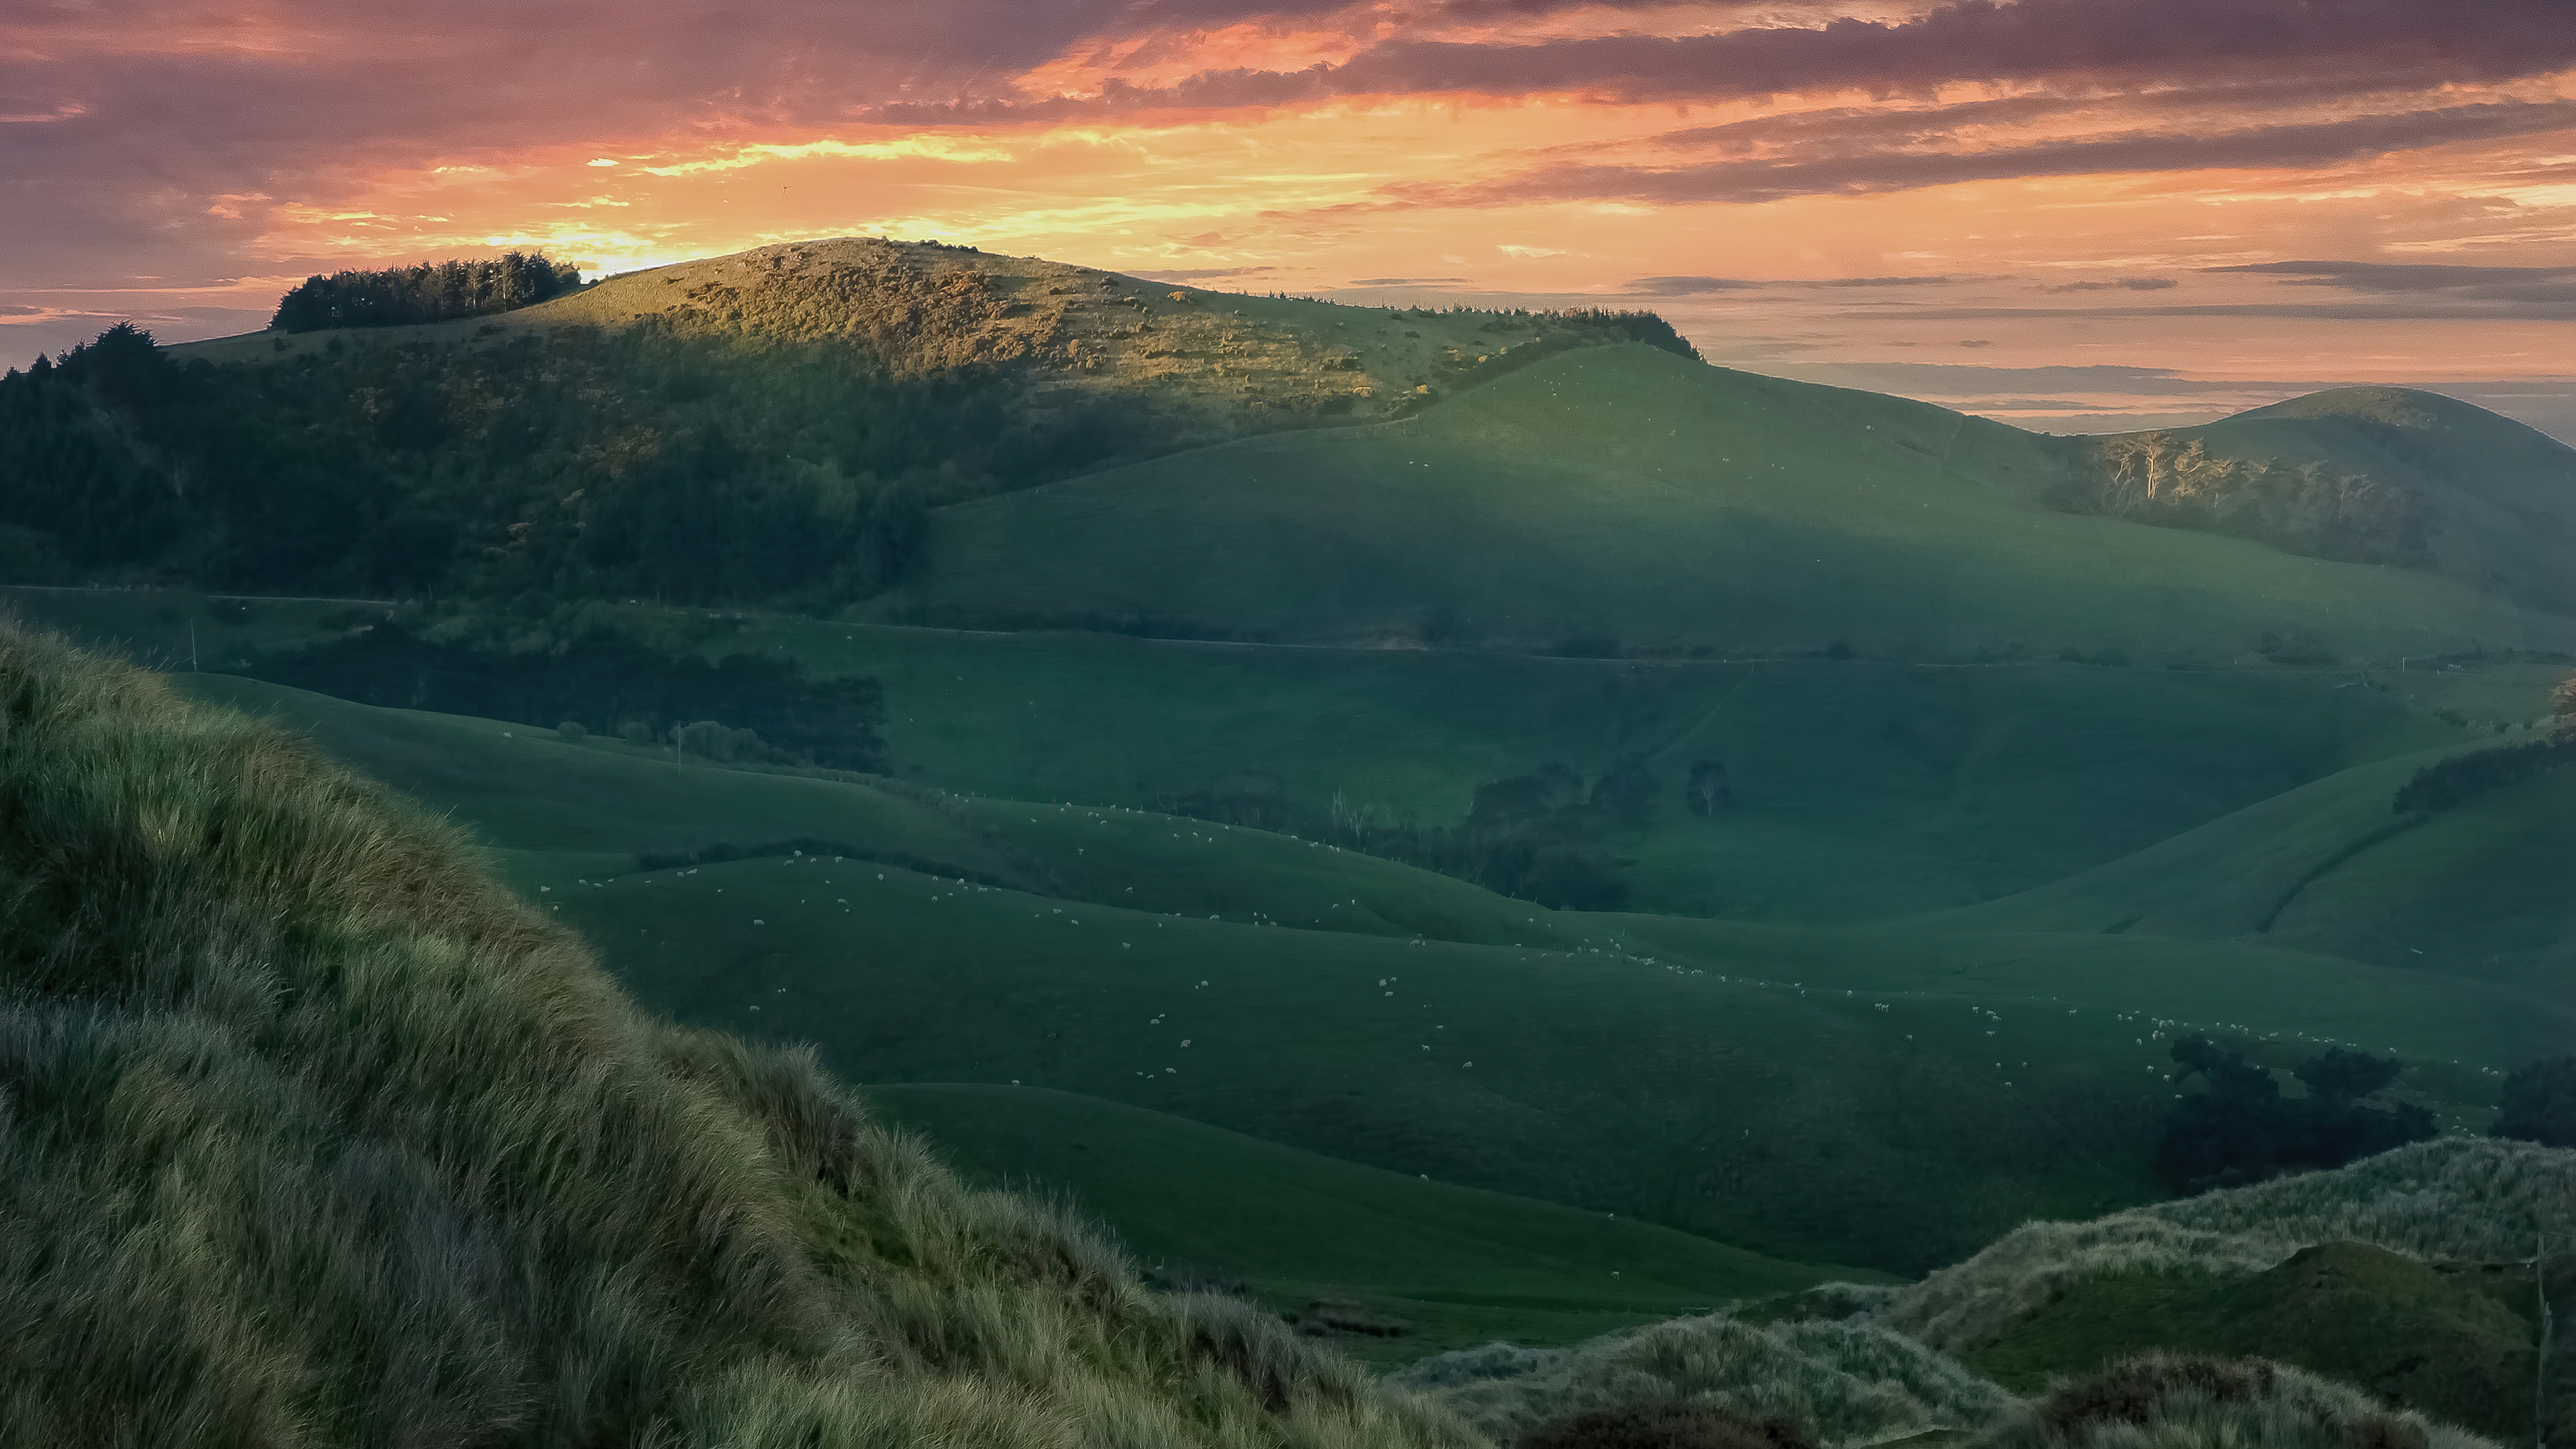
x=2188, y=1401
x=1838, y=1383
x=2478, y=1199
x=311, y=1134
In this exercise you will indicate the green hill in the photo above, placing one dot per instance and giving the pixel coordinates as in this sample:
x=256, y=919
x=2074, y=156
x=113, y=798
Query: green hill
x=316, y=1136
x=1629, y=500
x=940, y=435
x=320, y=1134
x=2329, y=867
x=2460, y=1344
x=1860, y=790
x=766, y=427
x=1432, y=1265
x=2370, y=475
x=2409, y=1275
x=1804, y=1093
x=1245, y=673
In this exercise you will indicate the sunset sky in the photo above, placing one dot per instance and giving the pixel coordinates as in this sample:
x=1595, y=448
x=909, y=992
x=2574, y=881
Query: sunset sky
x=2073, y=214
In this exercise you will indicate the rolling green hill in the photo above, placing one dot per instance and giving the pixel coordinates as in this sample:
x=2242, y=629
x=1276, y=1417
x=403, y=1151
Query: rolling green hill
x=1941, y=775
x=2370, y=475
x=764, y=428
x=2475, y=890
x=317, y=1136
x=2459, y=1344
x=1805, y=1093
x=2411, y=1275
x=1431, y=1265
x=1629, y=500
x=1860, y=790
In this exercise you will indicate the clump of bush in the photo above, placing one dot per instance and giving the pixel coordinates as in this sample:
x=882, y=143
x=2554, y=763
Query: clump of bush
x=2445, y=783
x=2242, y=1129
x=2540, y=1103
x=429, y=292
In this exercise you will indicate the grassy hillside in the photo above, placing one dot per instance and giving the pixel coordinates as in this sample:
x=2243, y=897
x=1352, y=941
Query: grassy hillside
x=1736, y=1080
x=317, y=1136
x=2478, y=889
x=2474, y=890
x=796, y=425
x=1628, y=498
x=1209, y=364
x=1860, y=789
x=2410, y=1274
x=765, y=427
x=1416, y=1266
x=2459, y=1342
x=2371, y=475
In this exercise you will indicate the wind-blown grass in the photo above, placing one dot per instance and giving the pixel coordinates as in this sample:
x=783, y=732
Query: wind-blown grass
x=1842, y=1383
x=2171, y=1401
x=311, y=1134
x=2452, y=1198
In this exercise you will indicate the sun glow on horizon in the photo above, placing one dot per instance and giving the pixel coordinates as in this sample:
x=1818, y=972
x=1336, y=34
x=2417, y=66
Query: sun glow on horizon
x=1551, y=151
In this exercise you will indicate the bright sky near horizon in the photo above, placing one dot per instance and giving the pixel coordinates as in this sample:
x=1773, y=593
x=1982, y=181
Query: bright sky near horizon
x=2072, y=214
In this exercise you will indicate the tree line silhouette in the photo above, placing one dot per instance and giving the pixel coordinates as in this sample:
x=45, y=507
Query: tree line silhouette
x=2242, y=1129
x=606, y=684
x=429, y=292
x=570, y=464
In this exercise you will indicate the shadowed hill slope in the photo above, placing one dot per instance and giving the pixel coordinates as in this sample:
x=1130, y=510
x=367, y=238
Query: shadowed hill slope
x=315, y=1136
x=2410, y=1274
x=1445, y=1266
x=2477, y=890
x=1889, y=1097
x=2374, y=475
x=1627, y=499
x=764, y=427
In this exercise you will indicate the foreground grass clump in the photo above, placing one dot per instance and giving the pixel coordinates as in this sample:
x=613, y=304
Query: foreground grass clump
x=2179, y=1401
x=1820, y=1381
x=2452, y=1198
x=311, y=1134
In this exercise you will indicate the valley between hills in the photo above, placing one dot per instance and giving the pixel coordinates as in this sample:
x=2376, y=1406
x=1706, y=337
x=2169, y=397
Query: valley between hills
x=1492, y=859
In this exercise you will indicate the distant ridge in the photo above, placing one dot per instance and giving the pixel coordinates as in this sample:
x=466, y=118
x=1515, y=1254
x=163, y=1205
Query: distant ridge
x=1225, y=362
x=1616, y=502
x=2376, y=475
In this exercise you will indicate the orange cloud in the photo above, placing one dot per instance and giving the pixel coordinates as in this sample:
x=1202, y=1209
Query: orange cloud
x=2053, y=180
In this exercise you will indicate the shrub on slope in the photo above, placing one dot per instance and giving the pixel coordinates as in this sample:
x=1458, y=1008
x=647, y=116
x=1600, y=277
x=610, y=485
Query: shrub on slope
x=2540, y=1103
x=310, y=1134
x=2241, y=1129
x=2452, y=1198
